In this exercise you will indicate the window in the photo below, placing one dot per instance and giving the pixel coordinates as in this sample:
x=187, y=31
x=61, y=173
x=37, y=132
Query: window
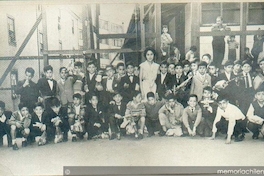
x=256, y=13
x=41, y=42
x=104, y=41
x=73, y=26
x=118, y=42
x=229, y=11
x=11, y=31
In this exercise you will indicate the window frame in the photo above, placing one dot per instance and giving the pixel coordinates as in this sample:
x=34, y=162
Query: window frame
x=10, y=41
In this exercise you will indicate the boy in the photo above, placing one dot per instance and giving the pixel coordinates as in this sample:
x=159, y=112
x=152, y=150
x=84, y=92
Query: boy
x=170, y=117
x=194, y=67
x=255, y=113
x=76, y=113
x=171, y=68
x=209, y=107
x=136, y=113
x=166, y=40
x=89, y=81
x=237, y=67
x=192, y=116
x=20, y=122
x=229, y=119
x=47, y=86
x=191, y=54
x=95, y=119
x=260, y=76
x=4, y=127
x=117, y=112
x=213, y=72
x=37, y=127
x=79, y=75
x=120, y=71
x=232, y=47
x=186, y=67
x=53, y=120
x=163, y=80
x=129, y=83
x=152, y=107
x=28, y=89
x=200, y=80
x=206, y=58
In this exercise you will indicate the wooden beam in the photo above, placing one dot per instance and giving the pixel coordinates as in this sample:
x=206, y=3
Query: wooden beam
x=225, y=33
x=91, y=51
x=142, y=31
x=21, y=48
x=243, y=27
x=146, y=13
x=97, y=33
x=108, y=36
x=45, y=35
x=158, y=27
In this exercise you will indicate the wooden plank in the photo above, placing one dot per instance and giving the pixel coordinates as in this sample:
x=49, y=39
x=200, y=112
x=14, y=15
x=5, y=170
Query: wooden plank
x=21, y=48
x=45, y=35
x=97, y=33
x=243, y=27
x=142, y=31
x=146, y=13
x=158, y=26
x=225, y=33
x=108, y=36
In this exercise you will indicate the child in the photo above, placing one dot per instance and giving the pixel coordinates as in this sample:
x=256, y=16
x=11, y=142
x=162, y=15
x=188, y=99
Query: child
x=194, y=67
x=89, y=81
x=37, y=127
x=248, y=55
x=255, y=113
x=200, y=80
x=237, y=68
x=120, y=71
x=170, y=117
x=192, y=116
x=152, y=107
x=76, y=113
x=171, y=68
x=135, y=115
x=136, y=70
x=209, y=107
x=53, y=120
x=213, y=72
x=129, y=83
x=163, y=80
x=175, y=55
x=232, y=46
x=191, y=54
x=260, y=76
x=28, y=89
x=79, y=75
x=47, y=86
x=95, y=119
x=229, y=119
x=166, y=40
x=206, y=58
x=4, y=127
x=186, y=67
x=20, y=122
x=148, y=73
x=117, y=112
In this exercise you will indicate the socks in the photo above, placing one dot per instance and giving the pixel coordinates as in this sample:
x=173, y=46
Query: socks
x=13, y=141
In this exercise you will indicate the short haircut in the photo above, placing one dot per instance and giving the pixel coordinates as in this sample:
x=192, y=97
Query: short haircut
x=186, y=62
x=208, y=55
x=260, y=88
x=208, y=88
x=237, y=62
x=77, y=95
x=48, y=67
x=212, y=64
x=30, y=70
x=63, y=68
x=91, y=95
x=120, y=64
x=193, y=95
x=202, y=64
x=196, y=61
x=149, y=49
x=150, y=94
x=38, y=104
x=91, y=63
x=135, y=94
x=2, y=104
x=117, y=93
x=228, y=63
x=179, y=65
x=170, y=96
x=129, y=64
x=77, y=64
x=221, y=97
x=193, y=48
x=109, y=66
x=246, y=62
x=220, y=17
x=54, y=102
x=164, y=63
x=22, y=105
x=164, y=26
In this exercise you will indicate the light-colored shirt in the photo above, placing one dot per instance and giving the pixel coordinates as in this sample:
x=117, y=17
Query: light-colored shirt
x=149, y=71
x=162, y=77
x=50, y=84
x=249, y=79
x=231, y=114
x=254, y=118
x=91, y=76
x=109, y=84
x=77, y=109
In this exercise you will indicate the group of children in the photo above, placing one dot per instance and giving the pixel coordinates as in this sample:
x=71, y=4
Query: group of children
x=173, y=99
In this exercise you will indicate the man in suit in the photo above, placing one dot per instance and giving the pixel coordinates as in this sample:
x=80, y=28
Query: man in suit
x=89, y=81
x=129, y=83
x=163, y=80
x=117, y=112
x=28, y=89
x=200, y=80
x=47, y=86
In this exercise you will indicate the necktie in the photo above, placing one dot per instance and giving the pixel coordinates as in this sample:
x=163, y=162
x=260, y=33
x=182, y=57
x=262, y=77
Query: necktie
x=192, y=110
x=118, y=107
x=247, y=81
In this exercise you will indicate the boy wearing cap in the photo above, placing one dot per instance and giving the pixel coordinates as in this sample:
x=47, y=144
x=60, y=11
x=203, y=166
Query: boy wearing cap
x=117, y=111
x=229, y=119
x=170, y=117
x=255, y=113
x=200, y=80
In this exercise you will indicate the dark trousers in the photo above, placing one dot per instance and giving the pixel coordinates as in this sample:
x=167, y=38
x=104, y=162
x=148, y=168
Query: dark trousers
x=218, y=51
x=5, y=130
x=240, y=127
x=34, y=132
x=93, y=130
x=254, y=128
x=115, y=124
x=152, y=125
x=206, y=127
x=63, y=127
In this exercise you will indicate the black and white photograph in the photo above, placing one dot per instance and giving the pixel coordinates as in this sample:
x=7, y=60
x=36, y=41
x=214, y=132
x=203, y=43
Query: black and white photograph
x=101, y=87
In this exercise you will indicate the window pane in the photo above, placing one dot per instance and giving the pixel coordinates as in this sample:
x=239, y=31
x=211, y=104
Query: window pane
x=231, y=16
x=210, y=11
x=231, y=6
x=211, y=6
x=256, y=13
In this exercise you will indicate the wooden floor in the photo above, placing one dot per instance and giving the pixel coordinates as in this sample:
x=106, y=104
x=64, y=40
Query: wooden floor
x=154, y=151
